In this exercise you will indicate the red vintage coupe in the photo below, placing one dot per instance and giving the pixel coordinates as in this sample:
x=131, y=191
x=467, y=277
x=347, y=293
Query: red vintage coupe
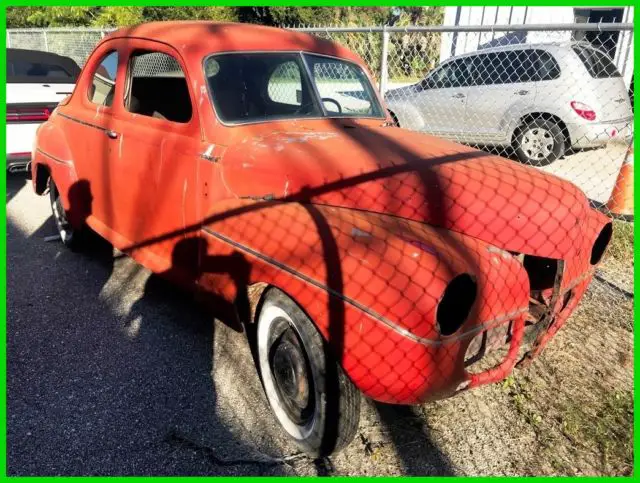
x=259, y=167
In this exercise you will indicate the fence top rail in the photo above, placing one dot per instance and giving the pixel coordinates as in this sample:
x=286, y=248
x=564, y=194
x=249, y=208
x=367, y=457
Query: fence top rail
x=589, y=27
x=62, y=29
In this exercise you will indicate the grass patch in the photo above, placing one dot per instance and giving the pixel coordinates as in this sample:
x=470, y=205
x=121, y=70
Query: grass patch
x=600, y=432
x=621, y=246
x=608, y=431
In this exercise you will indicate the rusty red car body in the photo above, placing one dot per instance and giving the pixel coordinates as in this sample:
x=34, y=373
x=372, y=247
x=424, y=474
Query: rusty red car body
x=363, y=224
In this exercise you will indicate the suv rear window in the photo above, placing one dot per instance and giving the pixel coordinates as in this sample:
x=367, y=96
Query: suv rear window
x=597, y=63
x=31, y=66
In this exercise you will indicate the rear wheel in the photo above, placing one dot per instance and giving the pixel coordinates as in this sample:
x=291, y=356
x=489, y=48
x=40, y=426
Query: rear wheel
x=312, y=398
x=70, y=237
x=540, y=142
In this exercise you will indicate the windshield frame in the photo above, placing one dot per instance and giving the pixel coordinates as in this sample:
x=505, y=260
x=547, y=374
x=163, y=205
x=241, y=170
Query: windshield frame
x=308, y=78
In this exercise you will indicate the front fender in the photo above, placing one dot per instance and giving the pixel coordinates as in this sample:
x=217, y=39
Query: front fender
x=371, y=283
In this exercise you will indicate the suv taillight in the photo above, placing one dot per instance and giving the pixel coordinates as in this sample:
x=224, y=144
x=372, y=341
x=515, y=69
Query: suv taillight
x=583, y=110
x=28, y=114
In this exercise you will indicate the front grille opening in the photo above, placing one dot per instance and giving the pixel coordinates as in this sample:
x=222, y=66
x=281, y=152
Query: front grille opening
x=601, y=244
x=566, y=299
x=488, y=349
x=541, y=271
x=456, y=303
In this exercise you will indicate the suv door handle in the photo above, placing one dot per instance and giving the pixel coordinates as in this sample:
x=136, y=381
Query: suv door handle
x=112, y=134
x=522, y=93
x=459, y=95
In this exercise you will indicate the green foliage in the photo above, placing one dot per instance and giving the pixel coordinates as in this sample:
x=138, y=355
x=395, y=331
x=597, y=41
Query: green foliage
x=52, y=16
x=413, y=54
x=279, y=16
x=120, y=16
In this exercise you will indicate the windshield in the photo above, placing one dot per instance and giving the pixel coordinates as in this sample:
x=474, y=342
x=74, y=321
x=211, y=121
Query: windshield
x=253, y=87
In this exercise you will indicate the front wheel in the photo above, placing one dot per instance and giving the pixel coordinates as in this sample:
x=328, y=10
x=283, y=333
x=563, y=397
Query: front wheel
x=312, y=398
x=540, y=142
x=70, y=237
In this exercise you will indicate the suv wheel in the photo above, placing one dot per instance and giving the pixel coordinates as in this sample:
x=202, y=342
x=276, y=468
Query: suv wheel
x=540, y=142
x=312, y=398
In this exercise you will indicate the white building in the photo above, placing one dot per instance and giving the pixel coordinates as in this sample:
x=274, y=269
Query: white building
x=618, y=44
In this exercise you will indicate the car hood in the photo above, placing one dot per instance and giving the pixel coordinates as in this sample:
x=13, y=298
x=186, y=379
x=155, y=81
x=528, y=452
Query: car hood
x=410, y=175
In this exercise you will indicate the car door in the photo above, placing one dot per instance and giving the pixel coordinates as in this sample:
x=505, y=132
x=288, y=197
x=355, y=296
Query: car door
x=88, y=126
x=504, y=84
x=156, y=145
x=442, y=99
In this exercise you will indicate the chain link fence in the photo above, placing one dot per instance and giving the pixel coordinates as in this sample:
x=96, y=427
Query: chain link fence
x=410, y=290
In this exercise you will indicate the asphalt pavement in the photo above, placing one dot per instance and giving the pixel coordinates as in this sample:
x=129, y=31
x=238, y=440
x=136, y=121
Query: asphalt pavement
x=110, y=370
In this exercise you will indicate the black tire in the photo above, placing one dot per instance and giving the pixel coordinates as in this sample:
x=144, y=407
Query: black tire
x=540, y=142
x=72, y=238
x=394, y=118
x=322, y=416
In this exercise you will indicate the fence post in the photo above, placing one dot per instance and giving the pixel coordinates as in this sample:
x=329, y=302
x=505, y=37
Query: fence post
x=384, y=61
x=46, y=43
x=8, y=39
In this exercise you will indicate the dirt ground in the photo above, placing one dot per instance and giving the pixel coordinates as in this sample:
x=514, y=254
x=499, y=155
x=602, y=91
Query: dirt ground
x=110, y=372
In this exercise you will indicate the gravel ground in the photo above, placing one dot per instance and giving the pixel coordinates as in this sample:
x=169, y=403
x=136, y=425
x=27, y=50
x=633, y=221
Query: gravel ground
x=112, y=372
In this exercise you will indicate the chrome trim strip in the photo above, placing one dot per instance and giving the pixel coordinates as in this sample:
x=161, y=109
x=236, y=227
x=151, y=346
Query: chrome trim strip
x=392, y=325
x=58, y=160
x=80, y=121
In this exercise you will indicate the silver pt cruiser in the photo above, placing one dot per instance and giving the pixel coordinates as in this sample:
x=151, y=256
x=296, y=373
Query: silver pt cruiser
x=542, y=99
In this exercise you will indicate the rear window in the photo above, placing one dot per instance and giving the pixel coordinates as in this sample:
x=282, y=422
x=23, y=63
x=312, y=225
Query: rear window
x=597, y=63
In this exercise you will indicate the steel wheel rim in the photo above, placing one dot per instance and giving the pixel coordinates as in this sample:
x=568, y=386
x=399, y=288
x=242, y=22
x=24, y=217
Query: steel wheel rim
x=60, y=217
x=291, y=373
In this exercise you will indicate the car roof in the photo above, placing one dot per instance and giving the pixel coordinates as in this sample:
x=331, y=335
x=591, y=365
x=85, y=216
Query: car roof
x=206, y=37
x=521, y=46
x=36, y=55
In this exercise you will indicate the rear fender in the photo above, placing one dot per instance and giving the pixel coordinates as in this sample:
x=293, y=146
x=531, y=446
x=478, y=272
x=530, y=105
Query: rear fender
x=51, y=153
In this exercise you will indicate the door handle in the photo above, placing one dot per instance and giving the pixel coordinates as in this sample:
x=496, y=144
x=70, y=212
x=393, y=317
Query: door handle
x=522, y=92
x=459, y=95
x=112, y=134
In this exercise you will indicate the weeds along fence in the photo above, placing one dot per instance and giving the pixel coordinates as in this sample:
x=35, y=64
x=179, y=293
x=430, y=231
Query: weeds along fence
x=556, y=98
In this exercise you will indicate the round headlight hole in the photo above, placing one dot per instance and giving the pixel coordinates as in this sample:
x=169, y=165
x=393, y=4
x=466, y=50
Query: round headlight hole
x=601, y=244
x=456, y=303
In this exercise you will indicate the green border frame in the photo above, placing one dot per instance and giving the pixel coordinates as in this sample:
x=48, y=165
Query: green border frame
x=3, y=226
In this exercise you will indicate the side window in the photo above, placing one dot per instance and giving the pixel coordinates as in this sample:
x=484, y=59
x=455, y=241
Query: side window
x=520, y=66
x=546, y=66
x=485, y=69
x=505, y=67
x=454, y=74
x=285, y=86
x=103, y=84
x=157, y=87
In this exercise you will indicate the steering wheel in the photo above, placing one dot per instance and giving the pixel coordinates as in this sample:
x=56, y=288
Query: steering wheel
x=329, y=99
